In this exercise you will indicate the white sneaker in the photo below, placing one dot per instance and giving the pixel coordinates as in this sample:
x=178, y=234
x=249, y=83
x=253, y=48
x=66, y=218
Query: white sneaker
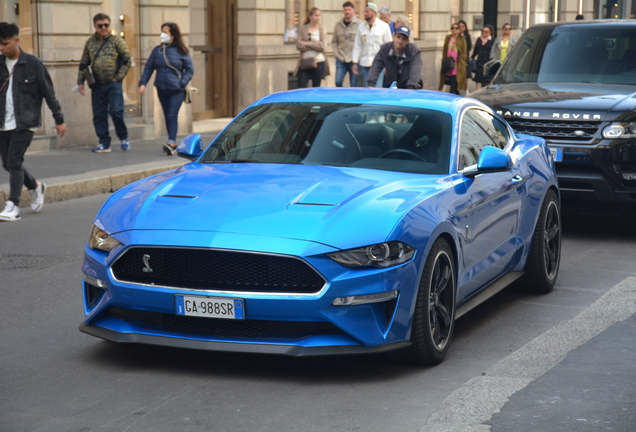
x=37, y=197
x=10, y=213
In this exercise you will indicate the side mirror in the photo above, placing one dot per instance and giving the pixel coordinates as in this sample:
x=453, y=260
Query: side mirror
x=491, y=159
x=491, y=68
x=191, y=147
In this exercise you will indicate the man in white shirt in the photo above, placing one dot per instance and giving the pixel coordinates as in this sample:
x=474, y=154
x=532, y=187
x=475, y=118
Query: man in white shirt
x=372, y=34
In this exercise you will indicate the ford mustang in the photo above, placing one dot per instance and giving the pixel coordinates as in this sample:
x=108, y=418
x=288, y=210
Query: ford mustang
x=327, y=221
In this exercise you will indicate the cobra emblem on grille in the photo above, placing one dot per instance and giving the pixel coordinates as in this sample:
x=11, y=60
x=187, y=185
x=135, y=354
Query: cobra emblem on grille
x=147, y=268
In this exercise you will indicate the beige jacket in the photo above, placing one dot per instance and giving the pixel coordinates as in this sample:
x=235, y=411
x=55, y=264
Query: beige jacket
x=303, y=35
x=343, y=38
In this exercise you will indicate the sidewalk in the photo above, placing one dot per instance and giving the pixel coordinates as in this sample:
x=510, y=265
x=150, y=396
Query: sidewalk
x=78, y=172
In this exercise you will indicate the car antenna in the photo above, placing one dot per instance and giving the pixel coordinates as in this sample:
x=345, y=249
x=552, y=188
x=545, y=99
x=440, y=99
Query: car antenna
x=393, y=85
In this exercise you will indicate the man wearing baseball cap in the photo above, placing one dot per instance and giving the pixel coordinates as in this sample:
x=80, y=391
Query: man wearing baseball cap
x=372, y=33
x=402, y=61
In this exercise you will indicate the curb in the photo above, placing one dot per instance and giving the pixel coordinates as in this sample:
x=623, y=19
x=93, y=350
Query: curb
x=467, y=408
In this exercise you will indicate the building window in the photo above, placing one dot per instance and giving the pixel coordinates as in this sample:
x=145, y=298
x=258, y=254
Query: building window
x=295, y=13
x=413, y=13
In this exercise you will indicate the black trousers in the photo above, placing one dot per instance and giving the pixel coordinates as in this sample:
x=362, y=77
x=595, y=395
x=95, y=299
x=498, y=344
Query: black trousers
x=452, y=81
x=13, y=146
x=315, y=75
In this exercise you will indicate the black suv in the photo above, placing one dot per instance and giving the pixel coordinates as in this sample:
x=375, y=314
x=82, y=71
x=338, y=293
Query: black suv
x=574, y=84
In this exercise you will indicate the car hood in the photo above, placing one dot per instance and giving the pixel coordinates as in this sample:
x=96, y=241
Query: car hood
x=546, y=99
x=334, y=206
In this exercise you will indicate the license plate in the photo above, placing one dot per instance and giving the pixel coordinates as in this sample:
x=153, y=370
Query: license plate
x=557, y=154
x=210, y=307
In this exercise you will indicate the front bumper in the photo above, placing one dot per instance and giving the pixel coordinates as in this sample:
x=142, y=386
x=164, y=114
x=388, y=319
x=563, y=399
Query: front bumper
x=592, y=177
x=292, y=324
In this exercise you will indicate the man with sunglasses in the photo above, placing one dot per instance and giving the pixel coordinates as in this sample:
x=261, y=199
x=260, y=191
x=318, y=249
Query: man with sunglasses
x=109, y=58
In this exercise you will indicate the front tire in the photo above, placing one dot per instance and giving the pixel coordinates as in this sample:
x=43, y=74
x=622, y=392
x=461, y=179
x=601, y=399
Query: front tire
x=545, y=253
x=434, y=317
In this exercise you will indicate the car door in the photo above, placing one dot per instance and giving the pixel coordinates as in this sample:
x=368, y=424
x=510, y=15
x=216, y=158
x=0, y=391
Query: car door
x=492, y=219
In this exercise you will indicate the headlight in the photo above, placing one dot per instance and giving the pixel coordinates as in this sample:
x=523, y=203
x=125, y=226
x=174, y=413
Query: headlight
x=100, y=239
x=620, y=130
x=378, y=255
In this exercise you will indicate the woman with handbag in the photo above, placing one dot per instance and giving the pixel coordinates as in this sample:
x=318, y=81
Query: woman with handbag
x=481, y=54
x=173, y=64
x=312, y=63
x=454, y=55
x=503, y=44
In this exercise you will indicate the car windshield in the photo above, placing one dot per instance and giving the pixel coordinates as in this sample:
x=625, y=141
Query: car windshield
x=573, y=54
x=380, y=137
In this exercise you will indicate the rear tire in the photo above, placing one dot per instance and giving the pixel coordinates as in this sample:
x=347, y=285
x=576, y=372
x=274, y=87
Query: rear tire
x=434, y=317
x=542, y=268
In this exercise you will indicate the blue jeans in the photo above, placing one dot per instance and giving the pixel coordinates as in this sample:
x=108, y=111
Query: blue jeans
x=363, y=74
x=341, y=70
x=171, y=101
x=108, y=99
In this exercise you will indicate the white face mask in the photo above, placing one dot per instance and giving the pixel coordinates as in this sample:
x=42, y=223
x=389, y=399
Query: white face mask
x=165, y=38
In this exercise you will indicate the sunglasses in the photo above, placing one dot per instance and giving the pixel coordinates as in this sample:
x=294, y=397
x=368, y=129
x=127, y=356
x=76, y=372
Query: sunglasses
x=507, y=28
x=454, y=28
x=100, y=26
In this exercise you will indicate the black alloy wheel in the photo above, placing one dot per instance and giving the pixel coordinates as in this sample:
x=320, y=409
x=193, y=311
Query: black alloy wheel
x=545, y=253
x=434, y=318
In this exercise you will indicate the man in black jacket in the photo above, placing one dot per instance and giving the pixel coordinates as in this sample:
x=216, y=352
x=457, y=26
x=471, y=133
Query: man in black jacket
x=24, y=82
x=402, y=61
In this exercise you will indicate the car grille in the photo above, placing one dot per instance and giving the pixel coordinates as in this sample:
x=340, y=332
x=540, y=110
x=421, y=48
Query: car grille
x=212, y=327
x=207, y=269
x=558, y=130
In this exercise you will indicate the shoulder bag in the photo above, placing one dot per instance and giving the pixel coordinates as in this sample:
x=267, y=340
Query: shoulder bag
x=308, y=63
x=88, y=71
x=447, y=64
x=189, y=90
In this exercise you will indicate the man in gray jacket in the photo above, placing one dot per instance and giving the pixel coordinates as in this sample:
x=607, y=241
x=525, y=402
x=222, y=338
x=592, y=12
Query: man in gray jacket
x=344, y=35
x=24, y=82
x=402, y=60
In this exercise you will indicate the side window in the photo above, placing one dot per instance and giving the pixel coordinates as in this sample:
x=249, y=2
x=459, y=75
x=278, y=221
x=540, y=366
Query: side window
x=472, y=138
x=493, y=127
x=502, y=131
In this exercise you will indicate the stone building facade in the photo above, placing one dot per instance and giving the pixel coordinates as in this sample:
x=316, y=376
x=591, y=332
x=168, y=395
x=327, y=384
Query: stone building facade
x=242, y=49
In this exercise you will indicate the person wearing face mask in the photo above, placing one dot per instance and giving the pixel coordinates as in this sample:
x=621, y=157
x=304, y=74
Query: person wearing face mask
x=171, y=60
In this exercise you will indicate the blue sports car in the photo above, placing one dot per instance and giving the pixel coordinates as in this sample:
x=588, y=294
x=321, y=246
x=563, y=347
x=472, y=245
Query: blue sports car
x=327, y=221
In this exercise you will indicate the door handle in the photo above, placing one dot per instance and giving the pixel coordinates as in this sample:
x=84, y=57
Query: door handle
x=517, y=179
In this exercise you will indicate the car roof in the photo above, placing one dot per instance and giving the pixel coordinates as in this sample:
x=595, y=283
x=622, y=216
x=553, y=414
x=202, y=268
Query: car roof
x=594, y=23
x=374, y=96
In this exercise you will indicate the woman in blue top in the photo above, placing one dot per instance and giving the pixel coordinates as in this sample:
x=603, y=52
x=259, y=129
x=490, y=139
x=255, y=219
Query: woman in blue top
x=174, y=69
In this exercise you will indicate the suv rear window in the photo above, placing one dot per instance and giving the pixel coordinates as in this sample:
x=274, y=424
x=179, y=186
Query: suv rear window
x=573, y=53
